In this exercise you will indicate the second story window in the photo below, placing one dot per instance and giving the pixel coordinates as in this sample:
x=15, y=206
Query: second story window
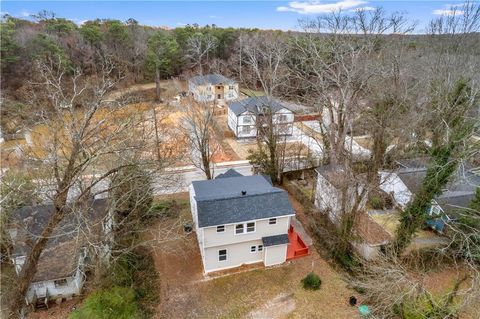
x=220, y=229
x=231, y=87
x=239, y=229
x=245, y=228
x=272, y=221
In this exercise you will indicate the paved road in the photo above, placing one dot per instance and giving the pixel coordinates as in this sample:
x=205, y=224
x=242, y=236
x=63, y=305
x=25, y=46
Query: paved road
x=182, y=177
x=176, y=180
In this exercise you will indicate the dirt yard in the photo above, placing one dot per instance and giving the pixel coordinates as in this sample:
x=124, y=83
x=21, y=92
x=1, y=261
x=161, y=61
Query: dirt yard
x=274, y=292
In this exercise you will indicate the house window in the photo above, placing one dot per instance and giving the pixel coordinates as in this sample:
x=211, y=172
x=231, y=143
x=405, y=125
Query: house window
x=239, y=229
x=245, y=228
x=246, y=129
x=231, y=87
x=60, y=283
x=247, y=120
x=38, y=285
x=260, y=247
x=209, y=88
x=282, y=118
x=220, y=229
x=272, y=221
x=253, y=249
x=222, y=255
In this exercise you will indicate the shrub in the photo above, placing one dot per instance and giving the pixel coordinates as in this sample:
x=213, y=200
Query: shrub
x=377, y=202
x=116, y=302
x=164, y=209
x=312, y=282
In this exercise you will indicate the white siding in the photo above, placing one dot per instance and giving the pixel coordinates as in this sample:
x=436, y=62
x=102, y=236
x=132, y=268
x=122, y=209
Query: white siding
x=262, y=229
x=232, y=121
x=275, y=255
x=237, y=254
x=366, y=251
x=327, y=197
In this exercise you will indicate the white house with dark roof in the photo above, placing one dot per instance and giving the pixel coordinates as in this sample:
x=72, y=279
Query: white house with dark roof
x=245, y=116
x=61, y=267
x=243, y=220
x=407, y=180
x=213, y=88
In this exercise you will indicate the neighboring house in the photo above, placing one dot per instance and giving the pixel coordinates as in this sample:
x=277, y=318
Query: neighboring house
x=371, y=237
x=213, y=88
x=328, y=192
x=407, y=181
x=245, y=116
x=243, y=220
x=61, y=268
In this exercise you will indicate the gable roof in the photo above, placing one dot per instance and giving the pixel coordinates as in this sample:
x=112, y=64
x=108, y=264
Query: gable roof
x=212, y=79
x=230, y=173
x=59, y=259
x=255, y=104
x=221, y=201
x=452, y=202
x=370, y=231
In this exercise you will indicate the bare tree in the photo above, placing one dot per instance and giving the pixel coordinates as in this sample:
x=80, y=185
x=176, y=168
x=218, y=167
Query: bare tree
x=198, y=48
x=200, y=128
x=80, y=142
x=265, y=58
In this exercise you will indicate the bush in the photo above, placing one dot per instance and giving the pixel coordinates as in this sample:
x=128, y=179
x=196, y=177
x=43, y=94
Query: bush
x=116, y=302
x=377, y=202
x=164, y=209
x=312, y=282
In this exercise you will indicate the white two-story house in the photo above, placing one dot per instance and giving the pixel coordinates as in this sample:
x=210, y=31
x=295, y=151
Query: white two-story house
x=61, y=268
x=245, y=117
x=242, y=220
x=213, y=88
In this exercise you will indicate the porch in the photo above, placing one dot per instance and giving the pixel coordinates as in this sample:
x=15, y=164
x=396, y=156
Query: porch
x=297, y=246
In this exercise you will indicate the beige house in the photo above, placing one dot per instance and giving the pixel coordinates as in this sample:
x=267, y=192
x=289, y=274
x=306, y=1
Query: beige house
x=213, y=88
x=243, y=220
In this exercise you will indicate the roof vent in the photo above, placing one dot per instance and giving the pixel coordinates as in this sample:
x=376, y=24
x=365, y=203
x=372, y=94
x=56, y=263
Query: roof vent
x=244, y=193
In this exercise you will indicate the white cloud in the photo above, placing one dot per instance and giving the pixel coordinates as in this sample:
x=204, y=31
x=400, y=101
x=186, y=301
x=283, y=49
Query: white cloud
x=181, y=24
x=314, y=7
x=25, y=13
x=448, y=12
x=364, y=9
x=214, y=17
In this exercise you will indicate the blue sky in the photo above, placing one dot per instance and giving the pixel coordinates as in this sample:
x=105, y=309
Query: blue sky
x=262, y=14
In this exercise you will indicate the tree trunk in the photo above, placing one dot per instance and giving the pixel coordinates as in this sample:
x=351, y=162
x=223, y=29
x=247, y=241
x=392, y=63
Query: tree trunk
x=29, y=268
x=157, y=85
x=206, y=166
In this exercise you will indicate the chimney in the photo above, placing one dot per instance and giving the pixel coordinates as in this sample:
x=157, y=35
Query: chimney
x=244, y=193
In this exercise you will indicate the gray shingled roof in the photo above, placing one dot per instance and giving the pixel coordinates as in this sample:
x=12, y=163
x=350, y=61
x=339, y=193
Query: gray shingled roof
x=230, y=173
x=220, y=201
x=455, y=201
x=60, y=256
x=275, y=240
x=212, y=79
x=462, y=181
x=254, y=104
